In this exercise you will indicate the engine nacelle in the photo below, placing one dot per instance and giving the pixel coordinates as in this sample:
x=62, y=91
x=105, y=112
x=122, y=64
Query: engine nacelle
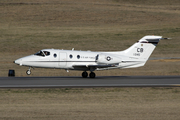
x=103, y=58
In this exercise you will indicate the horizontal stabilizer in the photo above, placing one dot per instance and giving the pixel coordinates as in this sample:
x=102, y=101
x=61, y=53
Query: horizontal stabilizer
x=150, y=39
x=165, y=38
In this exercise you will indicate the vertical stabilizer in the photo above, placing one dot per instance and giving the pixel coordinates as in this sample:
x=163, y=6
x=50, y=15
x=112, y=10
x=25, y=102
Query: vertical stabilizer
x=143, y=48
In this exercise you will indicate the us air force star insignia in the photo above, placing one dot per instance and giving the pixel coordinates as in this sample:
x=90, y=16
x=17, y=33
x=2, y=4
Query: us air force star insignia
x=108, y=58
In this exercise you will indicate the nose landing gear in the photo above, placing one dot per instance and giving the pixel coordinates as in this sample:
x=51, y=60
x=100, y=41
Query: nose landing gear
x=28, y=72
x=91, y=75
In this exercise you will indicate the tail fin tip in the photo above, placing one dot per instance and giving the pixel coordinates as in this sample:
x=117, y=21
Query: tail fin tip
x=150, y=39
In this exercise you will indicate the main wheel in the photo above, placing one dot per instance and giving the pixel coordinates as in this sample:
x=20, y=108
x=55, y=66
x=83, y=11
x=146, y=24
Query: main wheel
x=92, y=75
x=84, y=74
x=28, y=72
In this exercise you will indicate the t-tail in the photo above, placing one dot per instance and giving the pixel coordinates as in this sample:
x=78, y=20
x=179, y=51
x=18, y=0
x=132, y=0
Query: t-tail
x=139, y=53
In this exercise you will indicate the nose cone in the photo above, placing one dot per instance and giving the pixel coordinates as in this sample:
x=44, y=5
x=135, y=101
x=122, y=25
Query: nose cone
x=18, y=61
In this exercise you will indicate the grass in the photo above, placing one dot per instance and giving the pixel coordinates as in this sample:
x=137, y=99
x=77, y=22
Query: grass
x=90, y=103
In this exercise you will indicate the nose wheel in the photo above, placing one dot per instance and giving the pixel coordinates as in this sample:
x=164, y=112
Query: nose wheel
x=28, y=72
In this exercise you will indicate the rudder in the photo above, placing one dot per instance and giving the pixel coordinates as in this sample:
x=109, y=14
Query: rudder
x=143, y=48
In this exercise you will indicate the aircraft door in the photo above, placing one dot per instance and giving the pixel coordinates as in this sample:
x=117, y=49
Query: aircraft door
x=62, y=59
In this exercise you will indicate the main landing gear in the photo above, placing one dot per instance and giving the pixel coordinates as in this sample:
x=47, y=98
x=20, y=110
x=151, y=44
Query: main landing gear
x=91, y=75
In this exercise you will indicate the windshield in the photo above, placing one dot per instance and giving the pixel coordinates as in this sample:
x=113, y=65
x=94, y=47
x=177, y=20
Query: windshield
x=40, y=53
x=46, y=53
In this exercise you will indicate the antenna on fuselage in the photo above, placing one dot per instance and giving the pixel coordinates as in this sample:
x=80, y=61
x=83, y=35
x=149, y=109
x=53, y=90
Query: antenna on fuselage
x=72, y=49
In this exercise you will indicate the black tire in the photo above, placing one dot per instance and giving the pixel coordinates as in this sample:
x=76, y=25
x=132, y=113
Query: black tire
x=92, y=75
x=84, y=74
x=28, y=72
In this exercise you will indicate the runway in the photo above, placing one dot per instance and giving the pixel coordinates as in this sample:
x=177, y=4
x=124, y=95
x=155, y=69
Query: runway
x=100, y=81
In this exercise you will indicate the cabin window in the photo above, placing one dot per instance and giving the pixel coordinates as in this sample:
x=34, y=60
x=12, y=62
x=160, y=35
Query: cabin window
x=70, y=56
x=40, y=53
x=55, y=55
x=78, y=56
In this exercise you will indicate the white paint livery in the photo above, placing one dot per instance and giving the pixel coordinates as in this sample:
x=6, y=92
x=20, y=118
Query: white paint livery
x=135, y=56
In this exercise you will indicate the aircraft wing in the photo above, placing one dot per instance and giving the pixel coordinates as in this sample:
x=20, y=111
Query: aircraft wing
x=98, y=66
x=88, y=67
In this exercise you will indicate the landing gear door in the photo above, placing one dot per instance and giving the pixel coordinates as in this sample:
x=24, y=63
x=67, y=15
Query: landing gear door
x=62, y=59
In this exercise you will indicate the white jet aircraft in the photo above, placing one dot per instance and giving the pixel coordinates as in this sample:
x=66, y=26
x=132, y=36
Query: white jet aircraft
x=134, y=56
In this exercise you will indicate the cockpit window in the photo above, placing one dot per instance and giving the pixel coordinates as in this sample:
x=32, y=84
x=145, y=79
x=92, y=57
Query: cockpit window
x=46, y=53
x=42, y=53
